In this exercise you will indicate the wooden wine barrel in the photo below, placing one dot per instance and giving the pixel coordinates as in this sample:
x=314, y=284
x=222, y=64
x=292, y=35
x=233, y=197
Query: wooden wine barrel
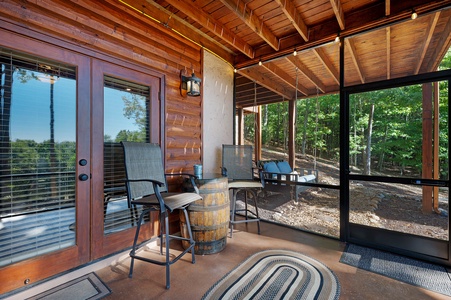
x=210, y=216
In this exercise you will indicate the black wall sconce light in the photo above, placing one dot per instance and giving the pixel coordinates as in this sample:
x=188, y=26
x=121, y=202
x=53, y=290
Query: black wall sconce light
x=190, y=85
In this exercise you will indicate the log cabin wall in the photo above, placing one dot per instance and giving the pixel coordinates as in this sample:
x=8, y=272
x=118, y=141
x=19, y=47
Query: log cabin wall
x=115, y=32
x=126, y=32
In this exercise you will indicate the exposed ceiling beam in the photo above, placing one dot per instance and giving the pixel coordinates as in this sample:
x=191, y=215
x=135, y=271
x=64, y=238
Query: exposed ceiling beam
x=284, y=76
x=251, y=20
x=254, y=75
x=426, y=41
x=352, y=52
x=290, y=10
x=262, y=94
x=307, y=73
x=264, y=101
x=327, y=63
x=200, y=16
x=173, y=23
x=338, y=11
x=441, y=49
x=249, y=94
x=388, y=47
x=372, y=16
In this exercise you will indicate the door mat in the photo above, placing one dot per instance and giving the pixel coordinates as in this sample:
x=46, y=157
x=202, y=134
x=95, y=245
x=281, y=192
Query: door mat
x=88, y=286
x=415, y=272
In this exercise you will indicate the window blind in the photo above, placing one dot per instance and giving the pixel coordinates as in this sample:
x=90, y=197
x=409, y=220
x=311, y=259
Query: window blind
x=37, y=155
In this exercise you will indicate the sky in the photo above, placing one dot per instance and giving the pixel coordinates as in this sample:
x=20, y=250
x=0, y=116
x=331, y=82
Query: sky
x=30, y=110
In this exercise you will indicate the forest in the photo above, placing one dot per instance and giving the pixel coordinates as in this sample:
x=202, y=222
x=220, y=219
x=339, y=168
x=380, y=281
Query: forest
x=385, y=129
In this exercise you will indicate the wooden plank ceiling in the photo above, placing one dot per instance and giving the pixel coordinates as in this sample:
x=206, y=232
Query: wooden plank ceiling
x=381, y=40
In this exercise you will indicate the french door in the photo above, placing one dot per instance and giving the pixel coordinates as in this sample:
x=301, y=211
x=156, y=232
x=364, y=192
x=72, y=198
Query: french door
x=45, y=161
x=126, y=106
x=397, y=178
x=63, y=116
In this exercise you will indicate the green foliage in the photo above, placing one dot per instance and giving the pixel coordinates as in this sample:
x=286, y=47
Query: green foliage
x=134, y=109
x=317, y=125
x=130, y=136
x=397, y=128
x=28, y=156
x=445, y=64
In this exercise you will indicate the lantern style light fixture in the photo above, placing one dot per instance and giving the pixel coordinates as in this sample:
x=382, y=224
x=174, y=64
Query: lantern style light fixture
x=190, y=85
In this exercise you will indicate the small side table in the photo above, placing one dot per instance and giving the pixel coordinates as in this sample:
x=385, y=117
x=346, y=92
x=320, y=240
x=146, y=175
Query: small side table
x=210, y=216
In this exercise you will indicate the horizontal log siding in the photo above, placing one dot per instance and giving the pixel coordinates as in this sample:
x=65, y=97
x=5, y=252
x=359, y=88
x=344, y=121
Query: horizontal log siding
x=115, y=29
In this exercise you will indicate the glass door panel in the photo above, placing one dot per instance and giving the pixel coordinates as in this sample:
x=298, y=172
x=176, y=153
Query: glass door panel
x=38, y=153
x=126, y=118
x=127, y=107
x=40, y=190
x=399, y=166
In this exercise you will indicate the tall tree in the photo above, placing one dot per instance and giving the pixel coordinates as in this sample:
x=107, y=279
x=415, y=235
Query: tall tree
x=367, y=167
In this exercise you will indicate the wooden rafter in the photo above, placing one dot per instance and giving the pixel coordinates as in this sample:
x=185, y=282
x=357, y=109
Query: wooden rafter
x=307, y=73
x=251, y=20
x=338, y=11
x=216, y=27
x=284, y=76
x=291, y=12
x=352, y=51
x=170, y=21
x=387, y=7
x=426, y=41
x=254, y=75
x=327, y=63
x=440, y=51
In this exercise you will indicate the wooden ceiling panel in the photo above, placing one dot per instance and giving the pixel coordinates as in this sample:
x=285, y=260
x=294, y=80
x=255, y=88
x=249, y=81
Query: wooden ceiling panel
x=314, y=63
x=305, y=84
x=371, y=54
x=212, y=7
x=439, y=44
x=329, y=56
x=351, y=75
x=380, y=40
x=268, y=10
x=405, y=42
x=350, y=5
x=315, y=12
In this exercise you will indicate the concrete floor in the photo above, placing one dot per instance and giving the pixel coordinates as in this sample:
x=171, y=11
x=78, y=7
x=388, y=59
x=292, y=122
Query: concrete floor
x=191, y=281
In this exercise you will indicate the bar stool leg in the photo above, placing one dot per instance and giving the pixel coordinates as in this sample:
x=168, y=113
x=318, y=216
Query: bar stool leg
x=232, y=213
x=256, y=210
x=191, y=239
x=135, y=241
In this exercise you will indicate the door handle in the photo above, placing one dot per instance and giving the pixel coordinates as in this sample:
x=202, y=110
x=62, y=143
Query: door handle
x=83, y=177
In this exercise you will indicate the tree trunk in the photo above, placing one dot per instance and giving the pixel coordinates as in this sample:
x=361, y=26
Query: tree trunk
x=367, y=165
x=382, y=155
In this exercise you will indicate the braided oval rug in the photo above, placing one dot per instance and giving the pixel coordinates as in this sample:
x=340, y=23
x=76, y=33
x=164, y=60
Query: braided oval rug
x=277, y=274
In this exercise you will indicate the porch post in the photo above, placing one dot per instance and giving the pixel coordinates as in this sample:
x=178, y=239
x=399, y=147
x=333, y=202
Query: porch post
x=436, y=172
x=427, y=146
x=240, y=116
